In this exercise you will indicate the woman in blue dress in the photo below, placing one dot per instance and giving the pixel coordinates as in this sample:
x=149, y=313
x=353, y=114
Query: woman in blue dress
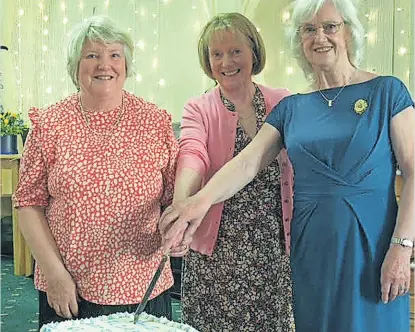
x=350, y=244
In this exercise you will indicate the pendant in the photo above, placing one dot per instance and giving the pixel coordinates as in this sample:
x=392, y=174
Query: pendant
x=330, y=102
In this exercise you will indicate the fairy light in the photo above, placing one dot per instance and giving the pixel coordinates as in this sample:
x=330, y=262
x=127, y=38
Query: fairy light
x=106, y=3
x=65, y=20
x=402, y=50
x=196, y=26
x=155, y=63
x=289, y=70
x=138, y=78
x=285, y=16
x=140, y=44
x=63, y=6
x=161, y=82
x=371, y=37
x=18, y=67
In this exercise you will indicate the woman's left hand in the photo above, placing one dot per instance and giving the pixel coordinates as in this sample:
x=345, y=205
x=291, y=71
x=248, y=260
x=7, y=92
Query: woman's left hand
x=180, y=250
x=395, y=275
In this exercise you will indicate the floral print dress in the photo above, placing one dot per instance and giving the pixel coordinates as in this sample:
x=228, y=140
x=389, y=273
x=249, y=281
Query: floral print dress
x=246, y=284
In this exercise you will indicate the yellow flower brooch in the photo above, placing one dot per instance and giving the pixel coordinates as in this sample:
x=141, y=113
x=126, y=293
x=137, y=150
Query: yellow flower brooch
x=360, y=106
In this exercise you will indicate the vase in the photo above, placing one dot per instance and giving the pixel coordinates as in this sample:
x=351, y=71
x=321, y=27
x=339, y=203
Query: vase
x=9, y=144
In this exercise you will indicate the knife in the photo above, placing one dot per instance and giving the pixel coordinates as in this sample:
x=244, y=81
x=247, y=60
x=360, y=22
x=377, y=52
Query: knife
x=150, y=288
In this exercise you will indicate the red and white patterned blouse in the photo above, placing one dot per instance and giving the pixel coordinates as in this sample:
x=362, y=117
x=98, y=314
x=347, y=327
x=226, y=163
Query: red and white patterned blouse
x=102, y=195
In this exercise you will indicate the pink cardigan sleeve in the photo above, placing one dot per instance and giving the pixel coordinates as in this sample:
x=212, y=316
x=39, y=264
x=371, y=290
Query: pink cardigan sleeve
x=32, y=186
x=193, y=152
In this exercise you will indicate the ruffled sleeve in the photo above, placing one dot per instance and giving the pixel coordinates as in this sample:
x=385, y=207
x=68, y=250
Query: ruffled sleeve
x=32, y=185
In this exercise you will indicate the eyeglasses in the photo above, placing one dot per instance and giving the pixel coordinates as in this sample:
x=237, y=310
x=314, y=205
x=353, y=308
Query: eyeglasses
x=329, y=28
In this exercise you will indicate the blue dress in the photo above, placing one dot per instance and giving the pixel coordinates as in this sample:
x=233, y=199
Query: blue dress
x=344, y=205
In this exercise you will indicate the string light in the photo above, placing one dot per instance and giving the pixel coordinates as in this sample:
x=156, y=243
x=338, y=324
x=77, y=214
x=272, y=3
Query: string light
x=285, y=17
x=150, y=25
x=402, y=50
x=140, y=44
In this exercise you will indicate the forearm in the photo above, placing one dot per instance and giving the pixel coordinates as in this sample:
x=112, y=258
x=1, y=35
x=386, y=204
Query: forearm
x=231, y=178
x=40, y=240
x=187, y=183
x=405, y=222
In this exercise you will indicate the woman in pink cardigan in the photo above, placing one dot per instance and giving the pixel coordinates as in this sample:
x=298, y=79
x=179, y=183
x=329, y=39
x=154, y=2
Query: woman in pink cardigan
x=236, y=274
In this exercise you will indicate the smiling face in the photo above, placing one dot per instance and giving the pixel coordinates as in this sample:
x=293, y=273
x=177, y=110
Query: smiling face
x=324, y=38
x=230, y=59
x=102, y=70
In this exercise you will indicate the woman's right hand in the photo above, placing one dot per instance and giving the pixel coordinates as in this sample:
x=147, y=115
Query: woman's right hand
x=62, y=294
x=179, y=221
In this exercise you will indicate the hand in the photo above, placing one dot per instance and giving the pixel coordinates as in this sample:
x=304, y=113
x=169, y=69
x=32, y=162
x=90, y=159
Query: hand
x=396, y=272
x=179, y=251
x=62, y=294
x=179, y=221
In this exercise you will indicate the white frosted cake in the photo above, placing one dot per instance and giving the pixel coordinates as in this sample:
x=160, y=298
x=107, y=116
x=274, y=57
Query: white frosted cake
x=118, y=323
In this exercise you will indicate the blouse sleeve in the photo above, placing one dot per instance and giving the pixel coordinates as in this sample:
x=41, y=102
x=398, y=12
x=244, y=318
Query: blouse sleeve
x=32, y=185
x=169, y=171
x=193, y=141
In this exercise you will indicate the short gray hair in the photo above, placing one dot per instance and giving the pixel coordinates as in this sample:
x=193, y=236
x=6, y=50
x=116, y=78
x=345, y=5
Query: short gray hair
x=304, y=10
x=97, y=28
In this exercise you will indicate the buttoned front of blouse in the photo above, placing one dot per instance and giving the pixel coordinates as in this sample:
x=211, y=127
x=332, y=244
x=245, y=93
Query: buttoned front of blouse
x=102, y=194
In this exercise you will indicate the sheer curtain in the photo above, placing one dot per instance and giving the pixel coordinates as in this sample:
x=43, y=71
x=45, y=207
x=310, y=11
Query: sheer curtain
x=165, y=33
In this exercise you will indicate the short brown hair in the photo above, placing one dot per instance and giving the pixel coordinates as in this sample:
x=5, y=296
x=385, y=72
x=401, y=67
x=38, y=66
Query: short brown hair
x=236, y=23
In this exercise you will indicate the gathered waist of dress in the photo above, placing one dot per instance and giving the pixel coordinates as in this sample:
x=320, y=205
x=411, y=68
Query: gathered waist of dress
x=330, y=190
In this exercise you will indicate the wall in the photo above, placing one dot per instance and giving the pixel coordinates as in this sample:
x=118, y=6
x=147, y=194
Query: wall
x=165, y=33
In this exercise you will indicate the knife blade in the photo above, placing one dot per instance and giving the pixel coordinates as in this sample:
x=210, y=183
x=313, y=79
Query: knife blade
x=150, y=288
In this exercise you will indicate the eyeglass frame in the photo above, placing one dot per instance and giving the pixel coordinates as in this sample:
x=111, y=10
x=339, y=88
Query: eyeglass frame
x=338, y=26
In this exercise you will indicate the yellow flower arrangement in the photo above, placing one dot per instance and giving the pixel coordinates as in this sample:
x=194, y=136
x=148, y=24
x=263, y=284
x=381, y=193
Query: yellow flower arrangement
x=360, y=106
x=11, y=124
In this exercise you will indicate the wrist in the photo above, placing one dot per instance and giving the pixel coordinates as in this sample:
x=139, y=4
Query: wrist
x=204, y=199
x=402, y=241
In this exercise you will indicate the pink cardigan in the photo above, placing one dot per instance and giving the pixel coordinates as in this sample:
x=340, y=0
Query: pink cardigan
x=207, y=142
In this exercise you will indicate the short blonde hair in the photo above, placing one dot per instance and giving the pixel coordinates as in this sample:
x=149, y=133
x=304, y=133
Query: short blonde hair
x=236, y=23
x=97, y=28
x=304, y=10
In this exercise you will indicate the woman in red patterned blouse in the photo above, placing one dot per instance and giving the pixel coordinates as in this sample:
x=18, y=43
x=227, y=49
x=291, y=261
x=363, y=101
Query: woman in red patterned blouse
x=97, y=168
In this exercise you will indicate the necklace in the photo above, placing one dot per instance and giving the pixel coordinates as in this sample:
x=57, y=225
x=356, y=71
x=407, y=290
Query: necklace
x=88, y=124
x=330, y=101
x=246, y=117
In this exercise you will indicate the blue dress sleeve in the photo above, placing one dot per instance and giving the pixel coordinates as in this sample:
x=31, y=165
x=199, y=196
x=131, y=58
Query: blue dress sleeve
x=401, y=99
x=277, y=118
